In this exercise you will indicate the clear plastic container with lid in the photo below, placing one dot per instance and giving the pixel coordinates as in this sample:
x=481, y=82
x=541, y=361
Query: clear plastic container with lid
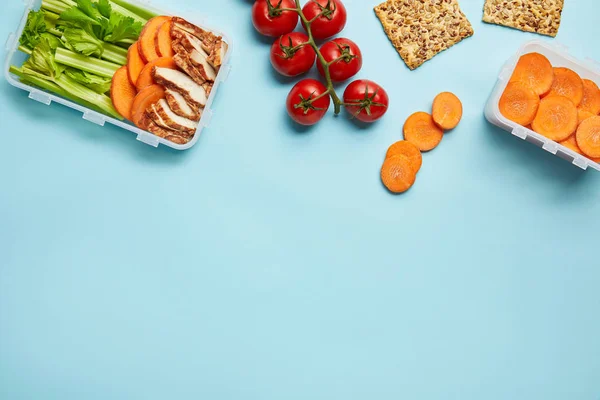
x=16, y=57
x=559, y=57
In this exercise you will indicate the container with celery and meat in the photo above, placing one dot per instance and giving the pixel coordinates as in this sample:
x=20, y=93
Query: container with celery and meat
x=123, y=61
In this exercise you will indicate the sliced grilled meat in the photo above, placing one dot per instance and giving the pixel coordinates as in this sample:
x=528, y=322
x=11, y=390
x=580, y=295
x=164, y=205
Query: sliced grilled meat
x=175, y=80
x=183, y=61
x=174, y=121
x=180, y=107
x=166, y=133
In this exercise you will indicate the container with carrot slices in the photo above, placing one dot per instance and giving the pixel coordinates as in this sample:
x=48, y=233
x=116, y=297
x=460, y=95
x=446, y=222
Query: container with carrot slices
x=549, y=98
x=123, y=62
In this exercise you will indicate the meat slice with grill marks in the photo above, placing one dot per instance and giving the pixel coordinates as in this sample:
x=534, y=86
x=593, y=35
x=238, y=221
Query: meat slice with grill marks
x=193, y=93
x=180, y=107
x=165, y=117
x=188, y=48
x=185, y=64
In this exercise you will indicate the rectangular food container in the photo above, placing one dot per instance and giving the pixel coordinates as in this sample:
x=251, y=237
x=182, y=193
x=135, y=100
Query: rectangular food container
x=559, y=57
x=15, y=57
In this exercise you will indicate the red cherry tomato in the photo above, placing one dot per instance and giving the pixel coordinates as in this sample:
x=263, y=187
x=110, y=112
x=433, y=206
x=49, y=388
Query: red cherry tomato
x=270, y=20
x=301, y=103
x=366, y=100
x=289, y=57
x=332, y=17
x=348, y=56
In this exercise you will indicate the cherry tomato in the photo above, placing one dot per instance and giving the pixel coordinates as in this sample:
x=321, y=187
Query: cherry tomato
x=348, y=56
x=301, y=103
x=332, y=17
x=270, y=20
x=289, y=58
x=366, y=100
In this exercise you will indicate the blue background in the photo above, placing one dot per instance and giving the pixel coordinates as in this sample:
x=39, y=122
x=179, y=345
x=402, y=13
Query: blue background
x=268, y=262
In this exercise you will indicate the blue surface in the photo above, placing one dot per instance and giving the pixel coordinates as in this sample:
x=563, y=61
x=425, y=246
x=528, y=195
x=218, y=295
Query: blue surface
x=269, y=263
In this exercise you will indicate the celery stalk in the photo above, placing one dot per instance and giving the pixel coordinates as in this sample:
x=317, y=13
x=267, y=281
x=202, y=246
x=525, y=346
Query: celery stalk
x=142, y=12
x=125, y=12
x=114, y=53
x=88, y=64
x=52, y=88
x=100, y=100
x=25, y=50
x=54, y=6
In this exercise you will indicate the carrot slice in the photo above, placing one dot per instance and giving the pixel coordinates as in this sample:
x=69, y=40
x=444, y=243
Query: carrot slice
x=409, y=150
x=447, y=110
x=571, y=143
x=591, y=97
x=135, y=64
x=146, y=42
x=397, y=174
x=588, y=137
x=163, y=41
x=145, y=79
x=583, y=115
x=421, y=130
x=567, y=83
x=144, y=99
x=534, y=71
x=519, y=103
x=122, y=92
x=557, y=118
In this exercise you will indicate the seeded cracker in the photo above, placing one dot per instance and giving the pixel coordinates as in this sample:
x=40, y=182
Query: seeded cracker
x=420, y=29
x=539, y=16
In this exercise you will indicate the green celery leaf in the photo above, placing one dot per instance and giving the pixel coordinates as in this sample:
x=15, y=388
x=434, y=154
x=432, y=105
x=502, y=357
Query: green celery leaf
x=104, y=8
x=34, y=27
x=53, y=41
x=122, y=28
x=97, y=83
x=76, y=16
x=42, y=60
x=82, y=40
x=88, y=9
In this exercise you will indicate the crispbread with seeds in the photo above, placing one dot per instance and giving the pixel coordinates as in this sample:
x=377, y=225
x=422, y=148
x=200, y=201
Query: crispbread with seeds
x=420, y=29
x=539, y=16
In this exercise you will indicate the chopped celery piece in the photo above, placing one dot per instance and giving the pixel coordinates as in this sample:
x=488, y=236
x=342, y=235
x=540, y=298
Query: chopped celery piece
x=88, y=64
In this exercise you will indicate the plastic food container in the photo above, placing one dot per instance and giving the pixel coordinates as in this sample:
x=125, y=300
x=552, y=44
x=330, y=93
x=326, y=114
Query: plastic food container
x=15, y=57
x=559, y=57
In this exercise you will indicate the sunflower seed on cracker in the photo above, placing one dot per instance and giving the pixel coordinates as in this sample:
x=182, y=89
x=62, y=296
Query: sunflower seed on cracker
x=539, y=16
x=420, y=29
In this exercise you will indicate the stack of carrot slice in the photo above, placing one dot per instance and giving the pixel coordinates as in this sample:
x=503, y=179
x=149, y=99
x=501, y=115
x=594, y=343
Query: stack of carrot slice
x=554, y=102
x=422, y=132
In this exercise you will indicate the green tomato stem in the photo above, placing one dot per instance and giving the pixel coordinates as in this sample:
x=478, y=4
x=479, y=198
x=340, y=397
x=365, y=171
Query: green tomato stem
x=337, y=103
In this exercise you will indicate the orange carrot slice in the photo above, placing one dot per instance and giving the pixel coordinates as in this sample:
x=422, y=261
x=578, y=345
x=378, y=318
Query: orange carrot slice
x=135, y=64
x=421, y=130
x=583, y=115
x=447, y=110
x=146, y=42
x=534, y=71
x=571, y=143
x=591, y=97
x=144, y=99
x=145, y=79
x=519, y=103
x=588, y=137
x=557, y=118
x=409, y=150
x=397, y=174
x=122, y=92
x=163, y=41
x=567, y=83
